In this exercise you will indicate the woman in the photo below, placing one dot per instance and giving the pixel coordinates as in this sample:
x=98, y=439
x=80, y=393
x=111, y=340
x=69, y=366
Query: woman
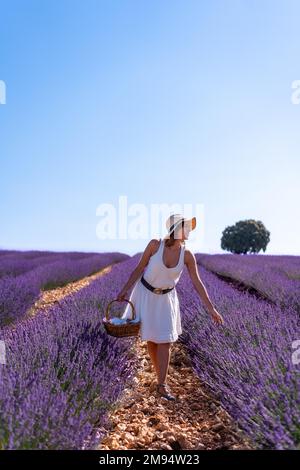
x=155, y=298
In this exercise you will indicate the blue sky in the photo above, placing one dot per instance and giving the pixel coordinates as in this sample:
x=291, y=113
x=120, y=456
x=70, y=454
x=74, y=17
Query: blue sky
x=164, y=102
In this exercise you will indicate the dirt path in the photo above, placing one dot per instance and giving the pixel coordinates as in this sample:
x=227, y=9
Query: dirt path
x=145, y=420
x=50, y=297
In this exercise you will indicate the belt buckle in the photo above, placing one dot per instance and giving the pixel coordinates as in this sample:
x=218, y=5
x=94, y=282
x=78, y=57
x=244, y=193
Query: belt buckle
x=157, y=290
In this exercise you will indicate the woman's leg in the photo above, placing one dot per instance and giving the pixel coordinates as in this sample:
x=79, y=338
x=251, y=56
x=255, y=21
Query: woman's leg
x=152, y=350
x=163, y=359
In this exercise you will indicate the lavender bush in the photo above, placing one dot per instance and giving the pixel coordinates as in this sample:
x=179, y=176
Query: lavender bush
x=63, y=372
x=247, y=362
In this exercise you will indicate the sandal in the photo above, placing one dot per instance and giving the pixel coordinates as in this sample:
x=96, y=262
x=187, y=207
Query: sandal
x=166, y=394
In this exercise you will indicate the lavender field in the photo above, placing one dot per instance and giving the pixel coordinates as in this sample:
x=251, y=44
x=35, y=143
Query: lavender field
x=63, y=372
x=275, y=277
x=23, y=275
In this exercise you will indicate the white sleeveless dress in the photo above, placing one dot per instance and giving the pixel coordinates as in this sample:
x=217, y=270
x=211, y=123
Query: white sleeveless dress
x=159, y=313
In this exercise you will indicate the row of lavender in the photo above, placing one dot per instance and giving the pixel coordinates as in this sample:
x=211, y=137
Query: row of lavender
x=20, y=262
x=276, y=277
x=19, y=291
x=17, y=263
x=247, y=362
x=63, y=372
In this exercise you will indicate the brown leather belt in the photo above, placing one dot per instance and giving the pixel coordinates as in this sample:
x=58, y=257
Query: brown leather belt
x=156, y=290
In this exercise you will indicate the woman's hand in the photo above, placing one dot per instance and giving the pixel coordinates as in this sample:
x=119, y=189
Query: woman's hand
x=122, y=295
x=216, y=316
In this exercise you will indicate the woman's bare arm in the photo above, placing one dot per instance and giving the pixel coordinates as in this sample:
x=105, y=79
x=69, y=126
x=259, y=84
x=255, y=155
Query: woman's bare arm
x=191, y=265
x=144, y=260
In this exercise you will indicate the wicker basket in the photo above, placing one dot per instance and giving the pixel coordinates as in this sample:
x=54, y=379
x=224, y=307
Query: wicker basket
x=130, y=328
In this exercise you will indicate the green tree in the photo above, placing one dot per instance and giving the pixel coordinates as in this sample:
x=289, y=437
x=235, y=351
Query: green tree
x=246, y=236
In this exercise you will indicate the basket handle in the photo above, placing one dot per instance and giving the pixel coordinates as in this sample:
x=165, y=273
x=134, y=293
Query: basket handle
x=116, y=300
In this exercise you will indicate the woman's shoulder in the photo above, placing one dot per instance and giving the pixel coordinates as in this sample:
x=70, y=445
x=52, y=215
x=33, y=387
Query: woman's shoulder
x=188, y=256
x=154, y=244
x=155, y=241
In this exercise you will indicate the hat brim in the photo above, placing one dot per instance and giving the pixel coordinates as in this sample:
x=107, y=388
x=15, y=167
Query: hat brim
x=191, y=223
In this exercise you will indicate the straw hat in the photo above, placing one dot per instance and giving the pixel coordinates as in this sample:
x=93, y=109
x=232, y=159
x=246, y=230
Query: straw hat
x=174, y=221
